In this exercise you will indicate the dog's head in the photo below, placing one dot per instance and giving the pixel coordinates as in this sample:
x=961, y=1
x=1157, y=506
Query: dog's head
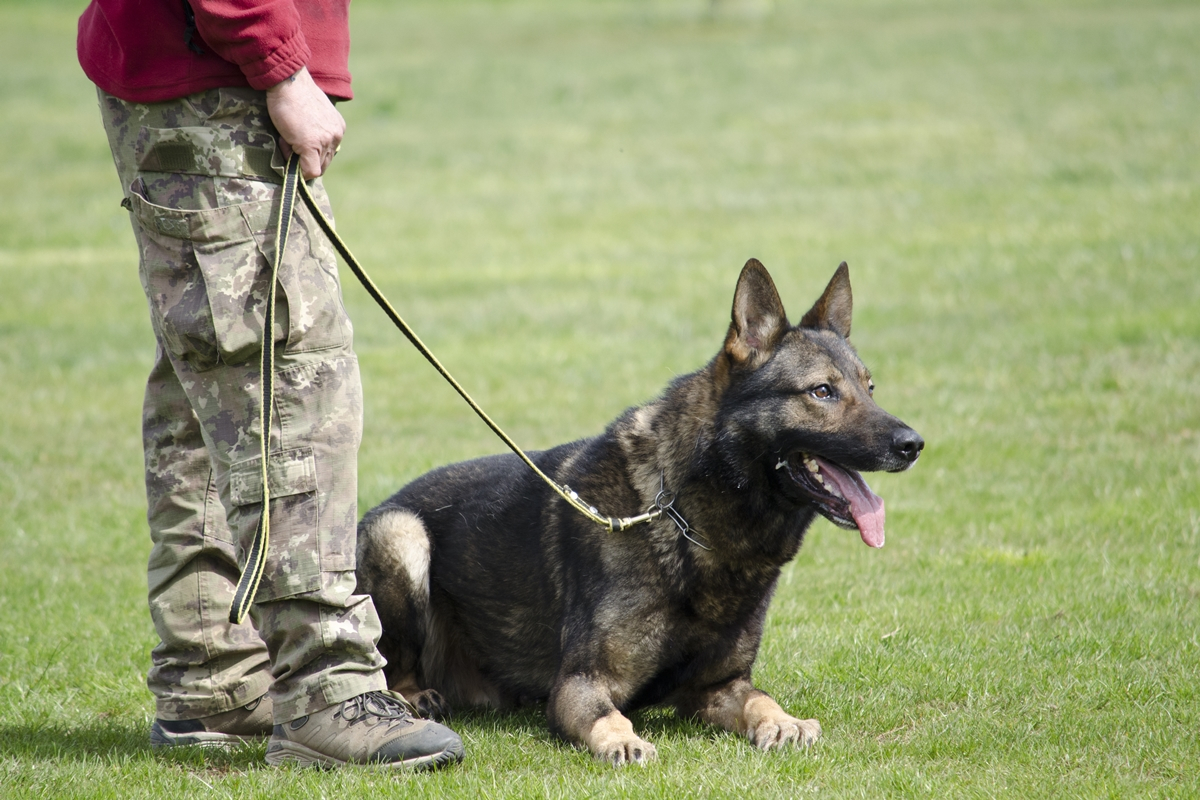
x=804, y=398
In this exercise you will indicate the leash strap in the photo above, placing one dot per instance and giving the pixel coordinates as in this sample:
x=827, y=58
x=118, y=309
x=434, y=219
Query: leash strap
x=565, y=492
x=257, y=557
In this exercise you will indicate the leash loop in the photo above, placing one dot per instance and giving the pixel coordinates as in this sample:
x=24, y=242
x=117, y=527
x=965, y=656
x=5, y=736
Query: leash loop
x=256, y=558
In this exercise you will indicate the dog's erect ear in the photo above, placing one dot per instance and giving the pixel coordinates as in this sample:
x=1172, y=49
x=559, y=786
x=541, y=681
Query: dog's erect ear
x=832, y=312
x=759, y=320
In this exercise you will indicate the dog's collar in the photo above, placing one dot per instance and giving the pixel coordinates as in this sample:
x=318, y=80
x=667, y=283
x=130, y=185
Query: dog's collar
x=664, y=505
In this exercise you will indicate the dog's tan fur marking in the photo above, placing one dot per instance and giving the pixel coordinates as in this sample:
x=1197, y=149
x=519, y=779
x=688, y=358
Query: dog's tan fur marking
x=406, y=685
x=404, y=542
x=767, y=725
x=737, y=706
x=612, y=739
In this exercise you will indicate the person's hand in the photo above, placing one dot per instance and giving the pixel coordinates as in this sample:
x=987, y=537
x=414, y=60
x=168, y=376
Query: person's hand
x=307, y=122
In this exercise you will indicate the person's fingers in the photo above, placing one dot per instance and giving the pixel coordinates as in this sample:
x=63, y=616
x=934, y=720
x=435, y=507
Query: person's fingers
x=312, y=164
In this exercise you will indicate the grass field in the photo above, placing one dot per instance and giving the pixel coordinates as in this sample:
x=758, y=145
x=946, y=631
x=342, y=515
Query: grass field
x=559, y=196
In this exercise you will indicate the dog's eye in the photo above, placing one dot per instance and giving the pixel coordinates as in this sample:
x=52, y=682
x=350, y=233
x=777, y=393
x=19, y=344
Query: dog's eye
x=871, y=389
x=822, y=392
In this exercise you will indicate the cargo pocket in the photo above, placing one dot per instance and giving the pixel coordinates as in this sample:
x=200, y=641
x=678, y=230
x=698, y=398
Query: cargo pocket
x=294, y=549
x=317, y=319
x=236, y=272
x=205, y=277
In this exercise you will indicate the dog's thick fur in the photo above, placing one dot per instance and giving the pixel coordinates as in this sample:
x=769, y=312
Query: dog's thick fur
x=493, y=591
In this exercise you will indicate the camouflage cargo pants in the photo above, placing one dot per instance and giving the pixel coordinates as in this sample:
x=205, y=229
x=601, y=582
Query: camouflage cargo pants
x=199, y=184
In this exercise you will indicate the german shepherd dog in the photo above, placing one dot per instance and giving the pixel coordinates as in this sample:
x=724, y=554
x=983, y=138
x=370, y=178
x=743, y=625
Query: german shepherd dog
x=493, y=591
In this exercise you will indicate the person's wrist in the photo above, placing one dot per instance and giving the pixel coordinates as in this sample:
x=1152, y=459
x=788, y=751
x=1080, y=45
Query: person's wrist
x=289, y=81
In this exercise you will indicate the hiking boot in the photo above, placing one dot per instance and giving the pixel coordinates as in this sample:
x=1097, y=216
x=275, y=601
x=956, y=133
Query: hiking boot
x=251, y=722
x=376, y=729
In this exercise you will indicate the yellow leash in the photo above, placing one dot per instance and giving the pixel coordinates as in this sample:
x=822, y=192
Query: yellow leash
x=256, y=559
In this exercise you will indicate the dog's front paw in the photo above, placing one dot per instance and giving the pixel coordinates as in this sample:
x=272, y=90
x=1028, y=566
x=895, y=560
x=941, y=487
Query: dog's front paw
x=612, y=739
x=780, y=729
x=630, y=751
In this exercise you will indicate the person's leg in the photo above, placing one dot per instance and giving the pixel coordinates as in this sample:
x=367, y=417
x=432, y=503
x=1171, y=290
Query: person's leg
x=203, y=667
x=320, y=632
x=203, y=205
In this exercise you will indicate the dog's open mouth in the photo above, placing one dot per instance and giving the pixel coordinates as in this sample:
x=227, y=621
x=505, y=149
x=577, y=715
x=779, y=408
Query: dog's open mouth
x=840, y=494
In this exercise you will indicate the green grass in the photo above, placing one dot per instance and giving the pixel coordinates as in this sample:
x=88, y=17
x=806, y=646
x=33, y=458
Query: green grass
x=559, y=197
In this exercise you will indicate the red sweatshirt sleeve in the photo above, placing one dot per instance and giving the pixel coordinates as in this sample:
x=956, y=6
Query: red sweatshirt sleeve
x=139, y=50
x=263, y=37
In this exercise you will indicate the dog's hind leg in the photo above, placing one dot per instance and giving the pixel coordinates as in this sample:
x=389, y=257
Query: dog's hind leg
x=738, y=706
x=393, y=567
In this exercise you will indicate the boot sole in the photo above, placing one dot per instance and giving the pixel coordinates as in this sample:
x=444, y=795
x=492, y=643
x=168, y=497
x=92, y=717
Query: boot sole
x=282, y=752
x=163, y=739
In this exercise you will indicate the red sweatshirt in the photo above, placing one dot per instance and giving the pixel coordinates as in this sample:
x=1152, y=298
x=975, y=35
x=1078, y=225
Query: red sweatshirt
x=144, y=51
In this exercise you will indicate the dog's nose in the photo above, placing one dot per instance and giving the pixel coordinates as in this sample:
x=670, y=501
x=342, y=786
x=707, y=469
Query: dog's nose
x=907, y=444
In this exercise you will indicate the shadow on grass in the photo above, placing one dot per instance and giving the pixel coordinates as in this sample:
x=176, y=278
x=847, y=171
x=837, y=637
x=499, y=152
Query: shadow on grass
x=661, y=723
x=528, y=722
x=119, y=741
x=531, y=722
x=113, y=740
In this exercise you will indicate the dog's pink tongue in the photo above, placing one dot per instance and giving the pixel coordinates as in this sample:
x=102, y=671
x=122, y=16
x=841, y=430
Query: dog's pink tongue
x=865, y=506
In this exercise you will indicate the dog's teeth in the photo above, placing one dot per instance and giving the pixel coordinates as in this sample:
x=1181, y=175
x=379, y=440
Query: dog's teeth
x=811, y=465
x=781, y=464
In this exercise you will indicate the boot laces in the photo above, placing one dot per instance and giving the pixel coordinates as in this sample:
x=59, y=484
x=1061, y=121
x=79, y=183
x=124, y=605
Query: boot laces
x=384, y=705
